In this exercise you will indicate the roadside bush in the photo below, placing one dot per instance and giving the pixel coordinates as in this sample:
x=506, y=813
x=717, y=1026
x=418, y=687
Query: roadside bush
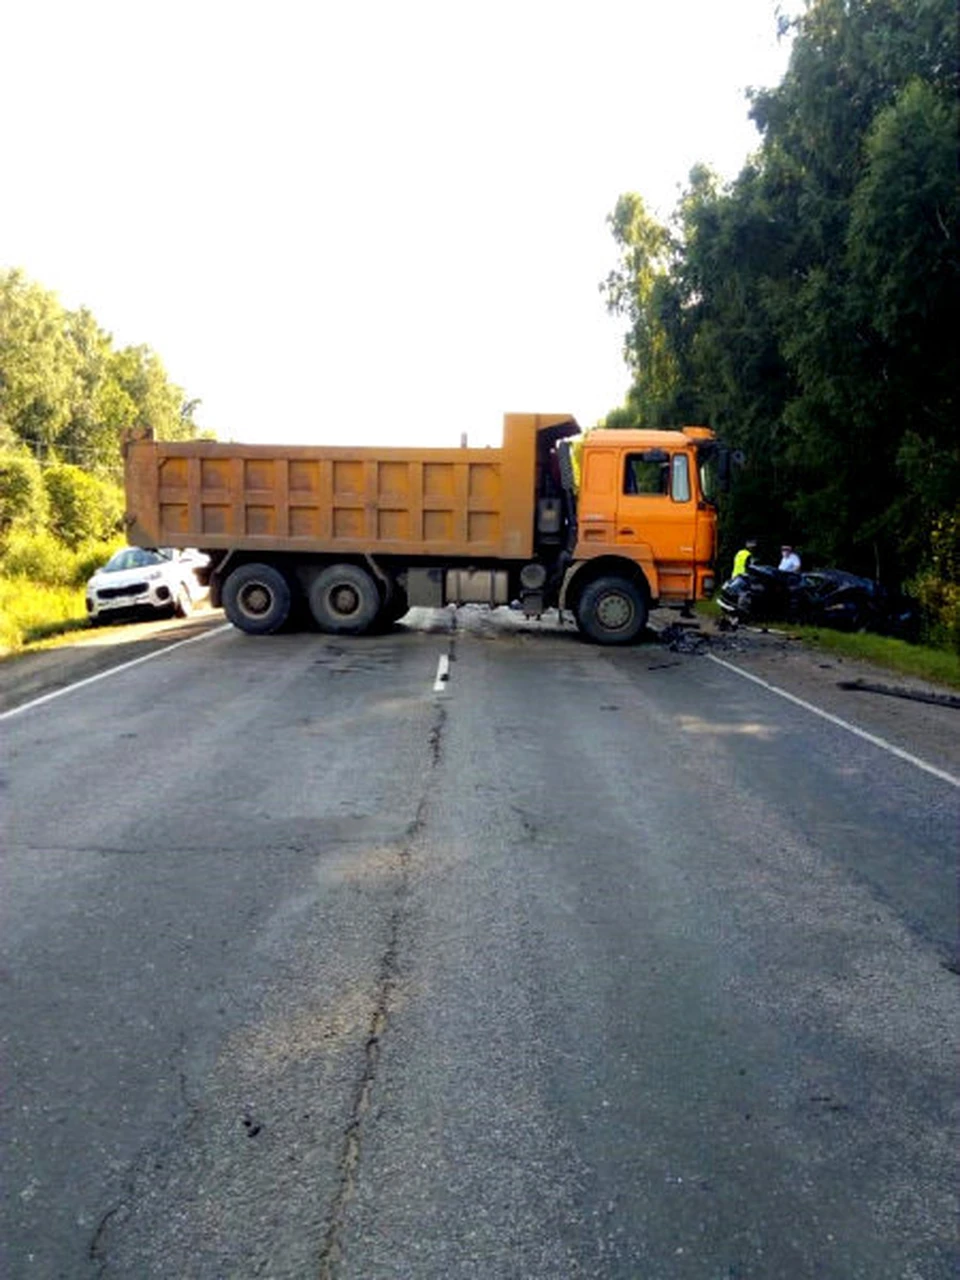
x=938, y=589
x=940, y=602
x=83, y=508
x=43, y=559
x=23, y=496
x=39, y=558
x=92, y=556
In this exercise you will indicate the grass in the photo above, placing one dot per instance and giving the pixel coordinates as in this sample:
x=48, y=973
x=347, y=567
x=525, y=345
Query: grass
x=31, y=613
x=939, y=666
x=42, y=588
x=924, y=662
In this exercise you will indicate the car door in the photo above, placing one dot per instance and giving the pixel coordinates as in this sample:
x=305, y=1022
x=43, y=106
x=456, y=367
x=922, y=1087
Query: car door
x=656, y=509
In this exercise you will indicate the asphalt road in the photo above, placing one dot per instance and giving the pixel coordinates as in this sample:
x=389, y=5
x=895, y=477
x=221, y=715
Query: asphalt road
x=574, y=963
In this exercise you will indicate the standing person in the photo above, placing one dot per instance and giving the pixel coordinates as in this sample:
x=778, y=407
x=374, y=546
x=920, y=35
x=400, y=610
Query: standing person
x=789, y=560
x=743, y=557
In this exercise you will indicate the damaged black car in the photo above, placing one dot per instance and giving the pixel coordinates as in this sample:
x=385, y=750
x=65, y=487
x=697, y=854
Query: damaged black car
x=819, y=598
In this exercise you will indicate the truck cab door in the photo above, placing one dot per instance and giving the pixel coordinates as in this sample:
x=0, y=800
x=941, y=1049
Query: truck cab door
x=656, y=509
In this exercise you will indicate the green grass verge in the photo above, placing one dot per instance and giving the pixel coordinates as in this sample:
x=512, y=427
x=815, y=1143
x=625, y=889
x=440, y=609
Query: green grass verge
x=31, y=614
x=939, y=666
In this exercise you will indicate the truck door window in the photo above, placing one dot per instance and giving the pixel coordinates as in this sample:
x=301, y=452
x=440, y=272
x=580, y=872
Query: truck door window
x=680, y=478
x=645, y=477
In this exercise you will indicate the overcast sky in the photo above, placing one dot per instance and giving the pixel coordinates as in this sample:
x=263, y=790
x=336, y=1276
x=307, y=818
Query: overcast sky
x=364, y=222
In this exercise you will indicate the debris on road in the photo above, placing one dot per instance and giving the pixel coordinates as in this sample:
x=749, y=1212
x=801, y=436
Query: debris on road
x=900, y=691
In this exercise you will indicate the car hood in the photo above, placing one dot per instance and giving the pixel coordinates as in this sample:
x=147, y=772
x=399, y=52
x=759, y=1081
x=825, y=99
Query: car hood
x=127, y=577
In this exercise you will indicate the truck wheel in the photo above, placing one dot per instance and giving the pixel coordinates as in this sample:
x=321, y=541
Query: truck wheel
x=612, y=611
x=256, y=599
x=344, y=600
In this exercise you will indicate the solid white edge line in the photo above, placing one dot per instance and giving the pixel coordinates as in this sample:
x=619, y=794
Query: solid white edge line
x=443, y=674
x=843, y=724
x=102, y=675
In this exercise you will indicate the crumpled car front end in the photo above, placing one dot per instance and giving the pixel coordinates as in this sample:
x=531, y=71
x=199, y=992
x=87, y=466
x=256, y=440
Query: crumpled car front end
x=127, y=593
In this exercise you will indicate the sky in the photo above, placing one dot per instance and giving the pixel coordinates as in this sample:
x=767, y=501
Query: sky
x=363, y=222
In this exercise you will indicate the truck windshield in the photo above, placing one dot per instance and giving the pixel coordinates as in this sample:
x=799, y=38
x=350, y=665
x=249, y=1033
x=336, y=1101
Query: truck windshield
x=708, y=467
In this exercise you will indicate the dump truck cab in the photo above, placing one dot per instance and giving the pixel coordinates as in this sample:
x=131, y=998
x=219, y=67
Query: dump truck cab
x=647, y=497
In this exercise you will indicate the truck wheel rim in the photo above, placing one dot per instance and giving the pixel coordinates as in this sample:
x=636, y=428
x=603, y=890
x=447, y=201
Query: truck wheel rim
x=255, y=600
x=344, y=600
x=615, y=611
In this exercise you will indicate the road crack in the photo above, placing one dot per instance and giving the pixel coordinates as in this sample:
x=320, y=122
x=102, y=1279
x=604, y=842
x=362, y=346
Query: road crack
x=387, y=979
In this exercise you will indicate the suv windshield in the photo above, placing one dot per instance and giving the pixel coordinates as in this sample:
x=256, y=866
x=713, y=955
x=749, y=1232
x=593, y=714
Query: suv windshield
x=133, y=558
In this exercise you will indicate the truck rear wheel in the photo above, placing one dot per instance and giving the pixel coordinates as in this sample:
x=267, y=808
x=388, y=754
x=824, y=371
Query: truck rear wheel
x=344, y=600
x=256, y=599
x=612, y=611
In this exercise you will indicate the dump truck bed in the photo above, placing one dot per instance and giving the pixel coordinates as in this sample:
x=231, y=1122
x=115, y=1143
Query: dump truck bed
x=474, y=503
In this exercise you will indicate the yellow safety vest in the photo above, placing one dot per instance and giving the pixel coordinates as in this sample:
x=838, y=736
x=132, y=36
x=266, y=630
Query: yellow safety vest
x=741, y=560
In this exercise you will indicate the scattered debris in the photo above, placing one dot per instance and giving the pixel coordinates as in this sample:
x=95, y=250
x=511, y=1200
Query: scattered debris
x=683, y=639
x=900, y=691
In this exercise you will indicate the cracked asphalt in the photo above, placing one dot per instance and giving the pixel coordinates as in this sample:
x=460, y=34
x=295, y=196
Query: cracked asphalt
x=595, y=963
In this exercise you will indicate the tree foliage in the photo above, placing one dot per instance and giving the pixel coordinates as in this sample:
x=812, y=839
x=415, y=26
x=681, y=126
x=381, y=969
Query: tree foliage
x=23, y=498
x=808, y=311
x=67, y=394
x=83, y=507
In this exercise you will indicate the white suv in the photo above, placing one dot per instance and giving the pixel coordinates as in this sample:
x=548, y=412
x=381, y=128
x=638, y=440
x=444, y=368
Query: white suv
x=136, y=579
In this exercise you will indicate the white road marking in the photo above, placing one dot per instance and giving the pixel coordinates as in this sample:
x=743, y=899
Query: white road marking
x=843, y=724
x=102, y=675
x=443, y=674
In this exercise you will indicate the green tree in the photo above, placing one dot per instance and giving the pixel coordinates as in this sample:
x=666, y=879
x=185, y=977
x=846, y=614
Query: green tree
x=905, y=282
x=808, y=310
x=139, y=373
x=37, y=363
x=67, y=393
x=83, y=508
x=640, y=288
x=23, y=498
x=100, y=409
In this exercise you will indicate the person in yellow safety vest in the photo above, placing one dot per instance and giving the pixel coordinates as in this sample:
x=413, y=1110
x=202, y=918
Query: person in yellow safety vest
x=743, y=557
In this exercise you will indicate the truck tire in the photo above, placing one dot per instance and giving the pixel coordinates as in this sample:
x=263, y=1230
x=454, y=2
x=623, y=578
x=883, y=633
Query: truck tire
x=344, y=600
x=256, y=599
x=612, y=611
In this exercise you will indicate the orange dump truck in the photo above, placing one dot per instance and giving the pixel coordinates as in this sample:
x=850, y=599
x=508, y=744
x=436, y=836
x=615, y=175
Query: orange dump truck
x=605, y=525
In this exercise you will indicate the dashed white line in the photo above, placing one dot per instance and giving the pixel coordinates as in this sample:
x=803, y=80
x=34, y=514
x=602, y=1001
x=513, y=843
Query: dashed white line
x=113, y=671
x=843, y=724
x=443, y=674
